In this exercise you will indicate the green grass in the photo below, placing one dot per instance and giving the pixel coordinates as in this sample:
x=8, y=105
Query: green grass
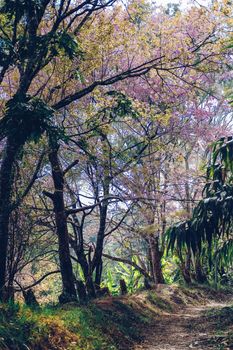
x=70, y=327
x=108, y=324
x=52, y=328
x=159, y=302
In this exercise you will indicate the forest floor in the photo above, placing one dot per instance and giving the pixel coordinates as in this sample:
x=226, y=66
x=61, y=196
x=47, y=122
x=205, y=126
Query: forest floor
x=169, y=317
x=206, y=326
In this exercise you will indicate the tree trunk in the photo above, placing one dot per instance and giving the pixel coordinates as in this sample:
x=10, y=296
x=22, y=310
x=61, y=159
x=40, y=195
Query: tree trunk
x=98, y=273
x=156, y=260
x=187, y=267
x=123, y=287
x=200, y=277
x=186, y=271
x=183, y=267
x=97, y=260
x=6, y=184
x=30, y=299
x=87, y=274
x=82, y=294
x=69, y=292
x=78, y=246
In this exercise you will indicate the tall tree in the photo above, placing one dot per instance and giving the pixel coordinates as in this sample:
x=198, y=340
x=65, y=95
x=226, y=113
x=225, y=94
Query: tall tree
x=41, y=39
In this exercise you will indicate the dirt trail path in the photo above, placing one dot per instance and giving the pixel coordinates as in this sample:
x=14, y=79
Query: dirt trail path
x=185, y=330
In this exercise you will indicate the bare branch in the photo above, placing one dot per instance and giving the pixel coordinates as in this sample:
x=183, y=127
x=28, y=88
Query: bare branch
x=129, y=262
x=70, y=166
x=38, y=281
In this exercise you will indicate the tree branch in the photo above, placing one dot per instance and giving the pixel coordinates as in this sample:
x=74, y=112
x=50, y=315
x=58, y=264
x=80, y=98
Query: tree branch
x=130, y=73
x=129, y=262
x=29, y=186
x=70, y=166
x=38, y=281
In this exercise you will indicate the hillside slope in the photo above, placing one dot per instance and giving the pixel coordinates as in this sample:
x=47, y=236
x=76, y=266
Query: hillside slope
x=168, y=318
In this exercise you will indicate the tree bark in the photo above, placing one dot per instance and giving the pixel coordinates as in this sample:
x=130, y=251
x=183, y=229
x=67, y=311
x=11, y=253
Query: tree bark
x=30, y=299
x=69, y=292
x=6, y=183
x=156, y=260
x=97, y=259
x=188, y=260
x=82, y=294
x=77, y=245
x=187, y=267
x=123, y=287
x=87, y=274
x=183, y=267
x=200, y=277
